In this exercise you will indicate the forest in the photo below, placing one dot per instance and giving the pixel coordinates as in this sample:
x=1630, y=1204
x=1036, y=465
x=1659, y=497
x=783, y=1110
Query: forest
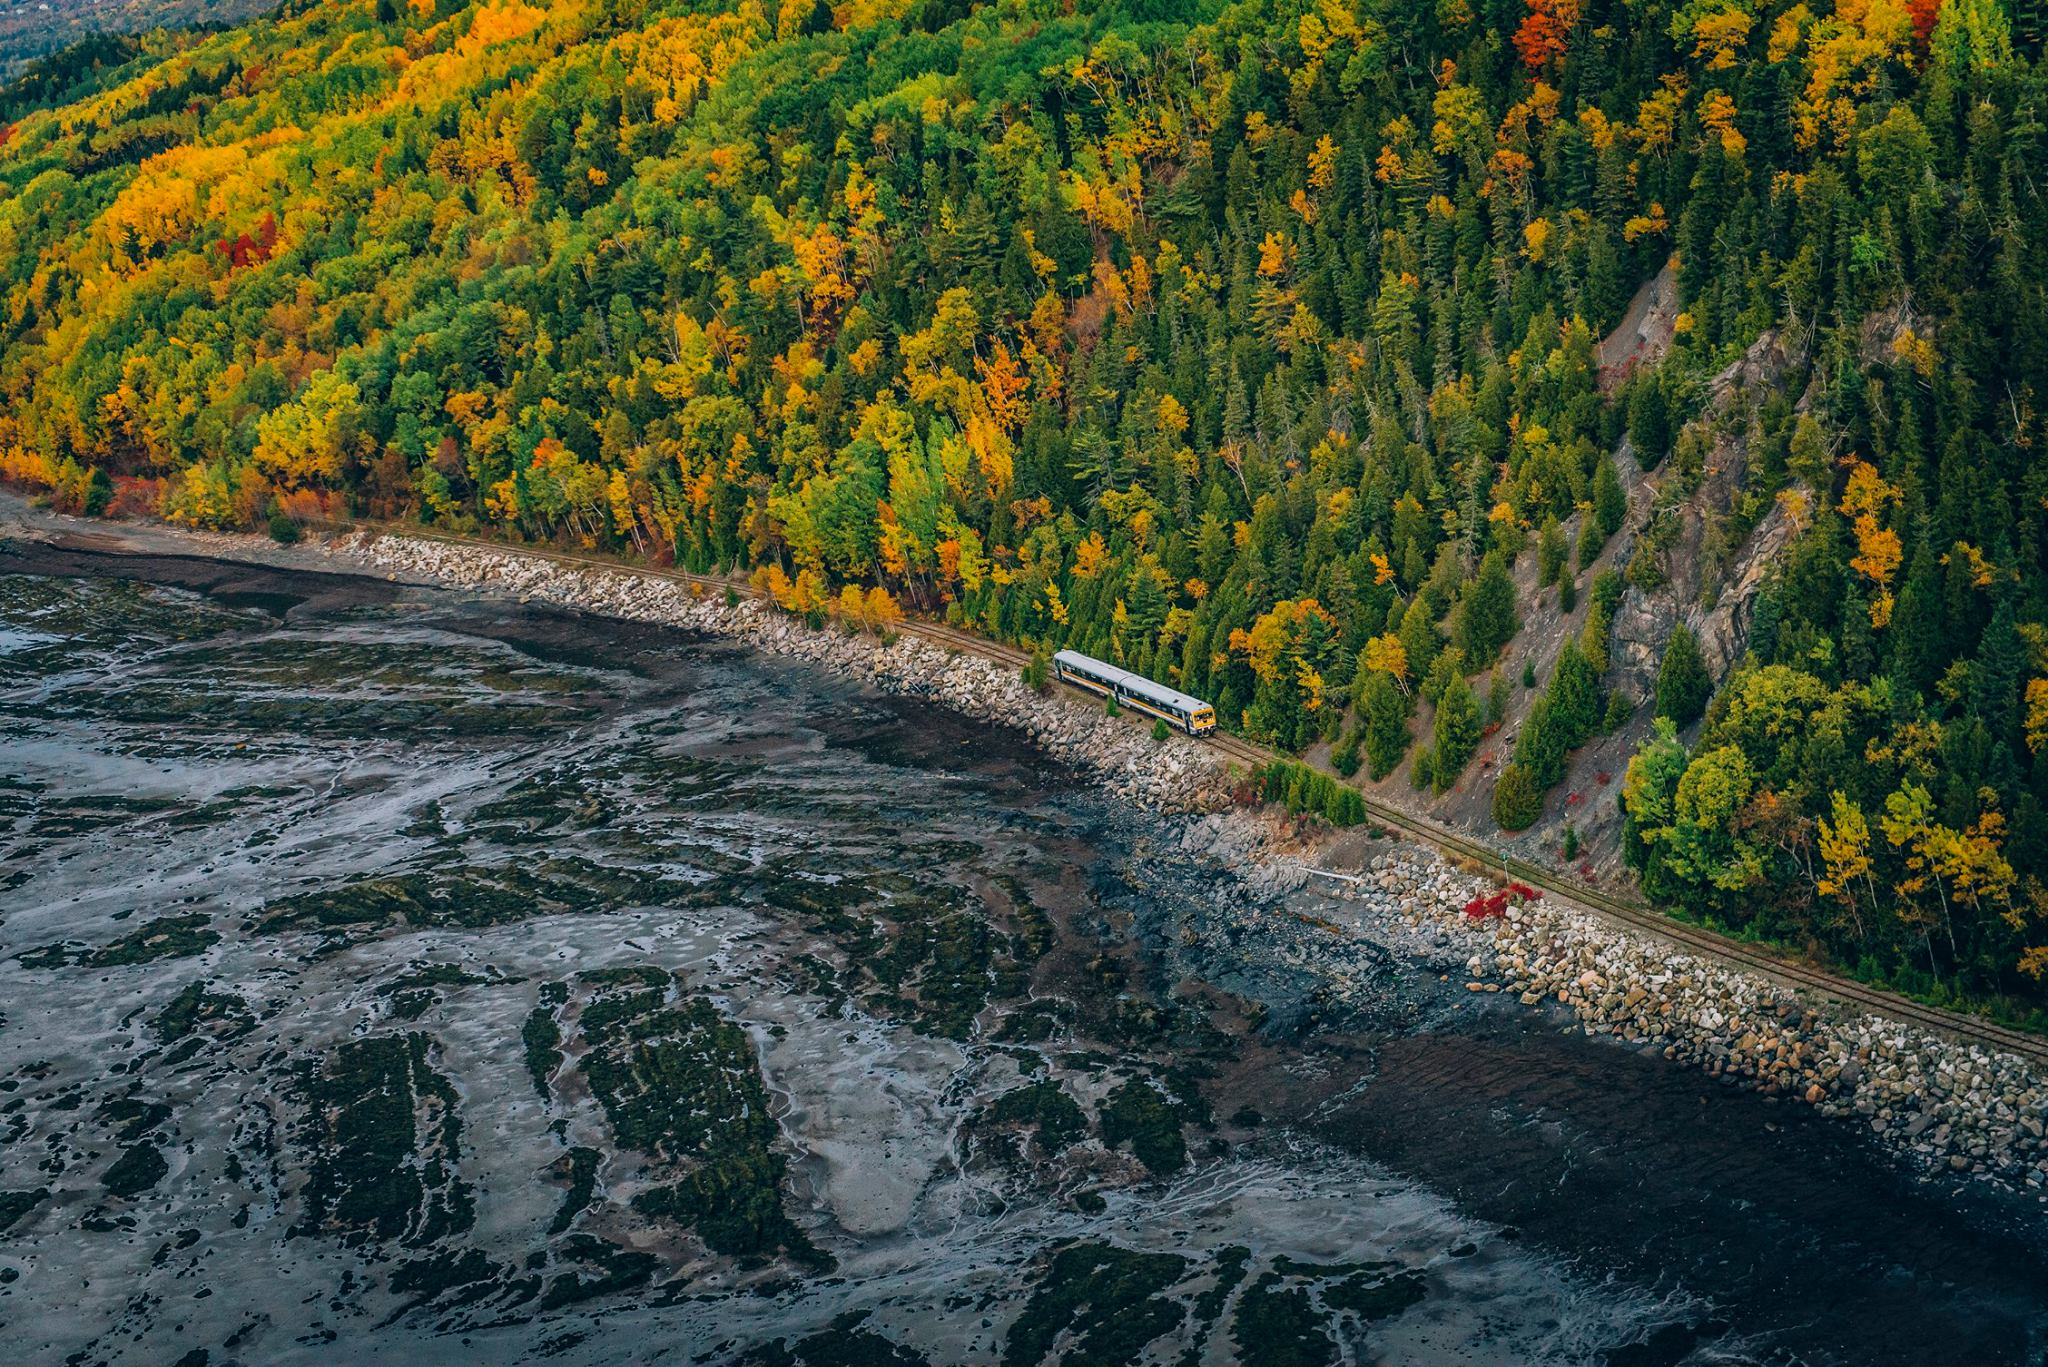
x=40, y=29
x=1255, y=346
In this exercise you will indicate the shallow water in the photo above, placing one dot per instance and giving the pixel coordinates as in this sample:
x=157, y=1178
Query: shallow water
x=392, y=976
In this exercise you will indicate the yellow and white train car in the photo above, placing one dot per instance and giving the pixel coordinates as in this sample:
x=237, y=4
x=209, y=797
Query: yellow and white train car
x=1171, y=706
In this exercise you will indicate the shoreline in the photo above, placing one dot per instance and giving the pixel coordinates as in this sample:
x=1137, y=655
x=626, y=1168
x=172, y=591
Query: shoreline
x=1946, y=1108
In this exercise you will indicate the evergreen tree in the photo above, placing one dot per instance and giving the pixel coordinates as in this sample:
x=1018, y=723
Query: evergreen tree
x=1550, y=553
x=1383, y=717
x=1497, y=698
x=1649, y=421
x=1683, y=684
x=1517, y=801
x=1486, y=618
x=1574, y=697
x=1457, y=733
x=1610, y=500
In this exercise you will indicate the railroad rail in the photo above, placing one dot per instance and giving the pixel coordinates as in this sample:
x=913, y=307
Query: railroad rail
x=1635, y=915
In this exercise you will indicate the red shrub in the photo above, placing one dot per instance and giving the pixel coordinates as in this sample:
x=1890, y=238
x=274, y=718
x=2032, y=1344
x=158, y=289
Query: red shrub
x=1487, y=908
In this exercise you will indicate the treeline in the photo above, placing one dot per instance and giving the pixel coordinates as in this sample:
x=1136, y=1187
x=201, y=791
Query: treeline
x=1252, y=347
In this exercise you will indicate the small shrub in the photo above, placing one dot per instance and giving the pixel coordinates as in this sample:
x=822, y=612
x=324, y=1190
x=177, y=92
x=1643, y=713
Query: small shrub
x=283, y=530
x=1160, y=730
x=1038, y=672
x=1344, y=758
x=732, y=596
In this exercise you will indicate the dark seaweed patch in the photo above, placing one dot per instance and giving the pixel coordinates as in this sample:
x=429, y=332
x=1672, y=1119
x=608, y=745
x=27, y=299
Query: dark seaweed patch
x=1278, y=1324
x=472, y=898
x=1150, y=1122
x=541, y=1038
x=196, y=1014
x=845, y=1344
x=679, y=1083
x=616, y=1269
x=381, y=1132
x=1099, y=1304
x=15, y=1204
x=165, y=937
x=1042, y=1107
x=139, y=1168
x=578, y=1168
x=413, y=993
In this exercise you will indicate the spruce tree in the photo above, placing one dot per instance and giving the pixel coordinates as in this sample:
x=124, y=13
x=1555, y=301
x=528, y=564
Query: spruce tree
x=1550, y=553
x=1610, y=500
x=1457, y=732
x=1486, y=616
x=1496, y=698
x=1683, y=684
x=1649, y=421
x=1384, y=718
x=1517, y=801
x=1574, y=697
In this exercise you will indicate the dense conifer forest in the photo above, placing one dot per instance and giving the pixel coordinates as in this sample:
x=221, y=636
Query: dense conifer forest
x=1258, y=347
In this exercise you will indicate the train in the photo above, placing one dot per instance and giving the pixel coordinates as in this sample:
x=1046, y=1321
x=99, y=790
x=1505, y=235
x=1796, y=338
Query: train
x=1171, y=706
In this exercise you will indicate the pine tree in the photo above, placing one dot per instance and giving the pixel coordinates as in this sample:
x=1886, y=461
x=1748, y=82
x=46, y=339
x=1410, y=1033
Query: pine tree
x=1344, y=755
x=1995, y=674
x=1916, y=625
x=1649, y=422
x=1683, y=684
x=1540, y=747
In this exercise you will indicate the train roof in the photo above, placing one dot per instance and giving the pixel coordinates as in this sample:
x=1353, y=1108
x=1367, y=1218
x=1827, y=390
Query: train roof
x=1136, y=683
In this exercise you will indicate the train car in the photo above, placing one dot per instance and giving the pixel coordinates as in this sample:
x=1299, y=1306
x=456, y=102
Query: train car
x=1171, y=706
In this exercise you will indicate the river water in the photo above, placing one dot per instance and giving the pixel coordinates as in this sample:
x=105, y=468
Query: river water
x=389, y=975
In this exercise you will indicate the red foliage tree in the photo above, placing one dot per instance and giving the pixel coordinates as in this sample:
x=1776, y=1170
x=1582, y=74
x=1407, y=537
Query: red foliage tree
x=1923, y=13
x=1546, y=33
x=249, y=251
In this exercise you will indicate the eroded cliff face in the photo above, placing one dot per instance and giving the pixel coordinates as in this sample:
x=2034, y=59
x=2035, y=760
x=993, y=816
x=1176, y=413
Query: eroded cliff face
x=1684, y=513
x=1708, y=584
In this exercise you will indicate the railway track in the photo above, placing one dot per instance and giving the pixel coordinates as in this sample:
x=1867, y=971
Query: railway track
x=1635, y=915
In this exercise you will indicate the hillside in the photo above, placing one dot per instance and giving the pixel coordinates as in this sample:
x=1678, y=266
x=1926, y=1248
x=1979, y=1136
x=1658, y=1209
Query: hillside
x=1381, y=373
x=44, y=28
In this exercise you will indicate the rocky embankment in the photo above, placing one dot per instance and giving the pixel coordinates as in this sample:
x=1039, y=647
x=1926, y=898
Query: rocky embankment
x=1175, y=774
x=1941, y=1104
